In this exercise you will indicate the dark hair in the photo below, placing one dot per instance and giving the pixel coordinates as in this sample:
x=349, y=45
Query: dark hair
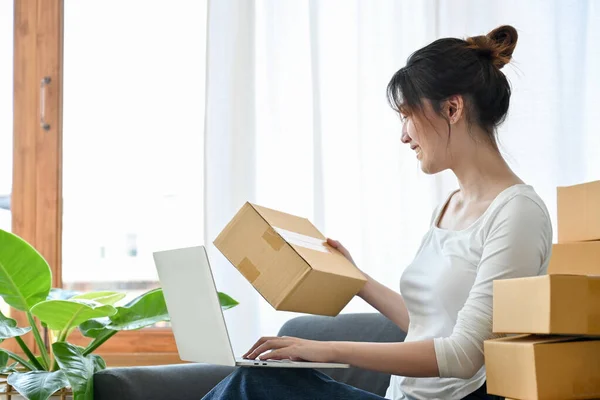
x=450, y=66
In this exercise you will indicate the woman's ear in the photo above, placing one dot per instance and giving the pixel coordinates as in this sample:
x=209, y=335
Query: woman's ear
x=454, y=109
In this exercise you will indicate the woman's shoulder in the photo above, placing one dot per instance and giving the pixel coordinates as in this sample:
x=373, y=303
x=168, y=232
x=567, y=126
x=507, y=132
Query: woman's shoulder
x=519, y=205
x=519, y=198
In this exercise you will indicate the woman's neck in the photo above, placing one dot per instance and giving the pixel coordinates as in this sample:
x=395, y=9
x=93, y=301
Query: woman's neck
x=483, y=175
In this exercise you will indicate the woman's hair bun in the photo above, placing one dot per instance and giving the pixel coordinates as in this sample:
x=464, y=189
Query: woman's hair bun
x=497, y=46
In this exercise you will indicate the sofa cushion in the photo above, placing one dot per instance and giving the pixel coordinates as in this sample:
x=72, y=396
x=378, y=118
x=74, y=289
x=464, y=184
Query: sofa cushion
x=181, y=382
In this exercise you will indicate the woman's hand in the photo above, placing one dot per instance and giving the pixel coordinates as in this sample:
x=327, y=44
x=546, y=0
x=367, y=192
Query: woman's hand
x=337, y=245
x=283, y=348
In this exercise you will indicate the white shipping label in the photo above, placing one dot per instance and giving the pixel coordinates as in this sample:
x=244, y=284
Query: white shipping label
x=301, y=240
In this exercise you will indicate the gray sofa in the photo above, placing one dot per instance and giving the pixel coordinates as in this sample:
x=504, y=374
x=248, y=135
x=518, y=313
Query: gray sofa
x=193, y=381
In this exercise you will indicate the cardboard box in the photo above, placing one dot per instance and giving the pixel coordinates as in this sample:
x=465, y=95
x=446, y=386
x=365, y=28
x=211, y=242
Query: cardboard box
x=579, y=212
x=546, y=368
x=581, y=258
x=548, y=304
x=287, y=260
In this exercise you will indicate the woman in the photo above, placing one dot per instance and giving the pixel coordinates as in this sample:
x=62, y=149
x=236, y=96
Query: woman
x=451, y=96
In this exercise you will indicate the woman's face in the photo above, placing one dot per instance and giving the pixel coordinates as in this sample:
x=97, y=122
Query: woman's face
x=426, y=132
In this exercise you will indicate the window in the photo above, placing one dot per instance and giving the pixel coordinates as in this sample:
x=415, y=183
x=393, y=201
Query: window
x=132, y=139
x=119, y=174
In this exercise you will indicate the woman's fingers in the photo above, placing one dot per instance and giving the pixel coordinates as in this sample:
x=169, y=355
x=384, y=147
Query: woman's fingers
x=257, y=344
x=276, y=343
x=337, y=245
x=340, y=247
x=279, y=354
x=333, y=243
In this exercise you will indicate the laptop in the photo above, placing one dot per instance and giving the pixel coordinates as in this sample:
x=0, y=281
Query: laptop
x=196, y=316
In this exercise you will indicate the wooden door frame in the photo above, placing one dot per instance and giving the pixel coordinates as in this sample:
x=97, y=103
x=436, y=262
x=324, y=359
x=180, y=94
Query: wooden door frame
x=31, y=145
x=36, y=203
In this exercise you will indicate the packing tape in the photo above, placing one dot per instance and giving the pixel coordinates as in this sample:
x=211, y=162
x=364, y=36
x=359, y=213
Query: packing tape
x=273, y=239
x=248, y=269
x=301, y=240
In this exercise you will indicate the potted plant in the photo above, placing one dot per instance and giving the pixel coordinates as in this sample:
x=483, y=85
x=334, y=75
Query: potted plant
x=25, y=285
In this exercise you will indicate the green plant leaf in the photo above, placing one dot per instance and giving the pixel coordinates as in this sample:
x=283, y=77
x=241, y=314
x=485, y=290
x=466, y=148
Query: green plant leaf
x=94, y=327
x=99, y=363
x=9, y=369
x=105, y=297
x=3, y=360
x=40, y=359
x=105, y=335
x=38, y=385
x=8, y=327
x=25, y=276
x=32, y=358
x=109, y=298
x=39, y=341
x=78, y=369
x=226, y=301
x=19, y=359
x=145, y=310
x=62, y=314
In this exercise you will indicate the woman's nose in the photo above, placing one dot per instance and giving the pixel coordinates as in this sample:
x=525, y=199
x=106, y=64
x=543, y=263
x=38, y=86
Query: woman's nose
x=405, y=138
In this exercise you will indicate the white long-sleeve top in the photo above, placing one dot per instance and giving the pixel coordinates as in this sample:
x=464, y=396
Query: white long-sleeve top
x=448, y=288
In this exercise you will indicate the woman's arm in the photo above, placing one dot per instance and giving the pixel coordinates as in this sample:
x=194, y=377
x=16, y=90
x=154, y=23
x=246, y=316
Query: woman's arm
x=385, y=300
x=416, y=359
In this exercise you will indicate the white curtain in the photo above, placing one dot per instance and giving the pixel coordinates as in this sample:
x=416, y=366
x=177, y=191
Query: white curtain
x=297, y=120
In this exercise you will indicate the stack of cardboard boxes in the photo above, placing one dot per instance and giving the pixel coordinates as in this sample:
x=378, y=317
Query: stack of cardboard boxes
x=559, y=313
